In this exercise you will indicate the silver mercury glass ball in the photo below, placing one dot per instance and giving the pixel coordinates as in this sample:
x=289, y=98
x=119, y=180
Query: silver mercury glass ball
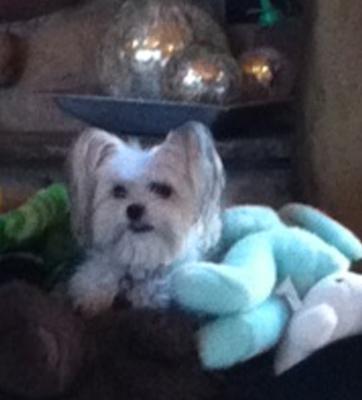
x=267, y=74
x=202, y=75
x=142, y=39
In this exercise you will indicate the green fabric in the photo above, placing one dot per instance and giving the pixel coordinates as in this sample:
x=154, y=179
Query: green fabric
x=46, y=209
x=42, y=226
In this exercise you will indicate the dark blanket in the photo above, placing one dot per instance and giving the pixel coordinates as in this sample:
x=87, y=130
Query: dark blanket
x=333, y=373
x=48, y=351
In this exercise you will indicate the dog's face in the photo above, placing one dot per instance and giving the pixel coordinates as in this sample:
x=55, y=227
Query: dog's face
x=146, y=207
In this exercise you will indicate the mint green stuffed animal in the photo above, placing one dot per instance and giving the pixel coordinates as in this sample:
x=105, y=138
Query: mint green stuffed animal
x=259, y=250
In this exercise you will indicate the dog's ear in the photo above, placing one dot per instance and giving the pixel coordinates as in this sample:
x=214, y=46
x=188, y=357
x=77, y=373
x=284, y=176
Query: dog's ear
x=202, y=163
x=89, y=152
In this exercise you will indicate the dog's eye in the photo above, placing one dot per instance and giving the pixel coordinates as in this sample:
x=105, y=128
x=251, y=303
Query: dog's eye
x=119, y=192
x=161, y=189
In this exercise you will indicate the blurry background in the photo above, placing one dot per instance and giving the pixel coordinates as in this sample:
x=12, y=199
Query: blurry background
x=317, y=159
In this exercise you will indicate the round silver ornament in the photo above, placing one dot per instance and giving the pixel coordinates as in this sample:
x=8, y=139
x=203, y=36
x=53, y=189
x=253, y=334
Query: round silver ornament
x=143, y=38
x=266, y=74
x=202, y=75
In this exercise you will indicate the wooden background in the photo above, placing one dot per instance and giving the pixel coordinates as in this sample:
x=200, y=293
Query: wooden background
x=330, y=126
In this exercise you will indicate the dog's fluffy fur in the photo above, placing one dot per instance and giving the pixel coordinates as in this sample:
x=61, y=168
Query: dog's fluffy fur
x=136, y=211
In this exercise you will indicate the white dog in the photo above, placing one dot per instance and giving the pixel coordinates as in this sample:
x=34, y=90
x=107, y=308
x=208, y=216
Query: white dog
x=137, y=211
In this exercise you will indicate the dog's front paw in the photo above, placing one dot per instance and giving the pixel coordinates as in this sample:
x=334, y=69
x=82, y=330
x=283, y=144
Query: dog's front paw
x=91, y=304
x=93, y=289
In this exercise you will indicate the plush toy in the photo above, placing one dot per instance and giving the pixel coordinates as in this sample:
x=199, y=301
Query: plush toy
x=41, y=229
x=260, y=252
x=331, y=310
x=45, y=209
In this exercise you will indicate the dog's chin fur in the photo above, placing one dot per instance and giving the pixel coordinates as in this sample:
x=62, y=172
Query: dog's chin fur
x=147, y=251
x=133, y=258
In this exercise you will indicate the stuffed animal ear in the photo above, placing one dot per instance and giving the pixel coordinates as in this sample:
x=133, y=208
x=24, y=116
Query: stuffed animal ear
x=90, y=151
x=314, y=327
x=309, y=330
x=202, y=164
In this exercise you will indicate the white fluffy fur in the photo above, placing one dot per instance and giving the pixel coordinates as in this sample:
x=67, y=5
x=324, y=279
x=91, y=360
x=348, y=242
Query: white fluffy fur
x=136, y=265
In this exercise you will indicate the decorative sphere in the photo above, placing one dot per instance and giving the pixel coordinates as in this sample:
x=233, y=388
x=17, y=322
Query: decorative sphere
x=266, y=74
x=143, y=38
x=202, y=75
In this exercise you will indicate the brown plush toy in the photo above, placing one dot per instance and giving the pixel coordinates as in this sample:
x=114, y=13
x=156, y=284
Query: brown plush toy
x=47, y=350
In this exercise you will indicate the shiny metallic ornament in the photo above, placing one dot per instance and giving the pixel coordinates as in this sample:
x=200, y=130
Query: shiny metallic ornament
x=266, y=74
x=143, y=38
x=202, y=75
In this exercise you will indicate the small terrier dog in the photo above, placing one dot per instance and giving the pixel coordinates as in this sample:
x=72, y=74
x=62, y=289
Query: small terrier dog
x=137, y=211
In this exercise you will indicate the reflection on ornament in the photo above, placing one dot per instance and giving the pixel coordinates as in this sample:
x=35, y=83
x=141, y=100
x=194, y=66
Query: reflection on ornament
x=259, y=69
x=200, y=72
x=266, y=73
x=202, y=75
x=158, y=45
x=145, y=35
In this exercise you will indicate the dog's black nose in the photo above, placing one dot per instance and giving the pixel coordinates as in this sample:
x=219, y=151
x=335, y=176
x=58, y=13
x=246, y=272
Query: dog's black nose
x=135, y=211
